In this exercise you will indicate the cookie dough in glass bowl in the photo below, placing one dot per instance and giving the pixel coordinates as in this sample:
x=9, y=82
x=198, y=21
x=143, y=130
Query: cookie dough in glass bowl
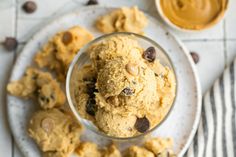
x=121, y=85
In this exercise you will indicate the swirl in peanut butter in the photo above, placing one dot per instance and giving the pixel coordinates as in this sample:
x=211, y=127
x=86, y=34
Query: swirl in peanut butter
x=194, y=14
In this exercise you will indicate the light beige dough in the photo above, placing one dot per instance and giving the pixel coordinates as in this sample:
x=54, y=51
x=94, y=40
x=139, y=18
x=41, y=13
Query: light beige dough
x=135, y=151
x=88, y=149
x=123, y=20
x=39, y=84
x=160, y=146
x=60, y=50
x=55, y=132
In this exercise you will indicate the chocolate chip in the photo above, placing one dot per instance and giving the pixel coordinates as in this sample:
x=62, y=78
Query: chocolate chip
x=91, y=107
x=29, y=6
x=67, y=38
x=127, y=92
x=10, y=43
x=42, y=98
x=52, y=97
x=195, y=57
x=142, y=124
x=47, y=124
x=91, y=90
x=92, y=2
x=150, y=54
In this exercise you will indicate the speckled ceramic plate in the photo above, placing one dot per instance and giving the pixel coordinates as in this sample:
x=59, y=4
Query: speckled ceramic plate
x=183, y=120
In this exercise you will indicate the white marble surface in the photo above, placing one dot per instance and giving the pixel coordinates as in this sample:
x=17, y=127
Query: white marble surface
x=216, y=47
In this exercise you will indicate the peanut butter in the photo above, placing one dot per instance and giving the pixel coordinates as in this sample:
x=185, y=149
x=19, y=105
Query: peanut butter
x=194, y=14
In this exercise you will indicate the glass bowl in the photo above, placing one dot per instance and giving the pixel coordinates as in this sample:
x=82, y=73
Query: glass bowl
x=82, y=58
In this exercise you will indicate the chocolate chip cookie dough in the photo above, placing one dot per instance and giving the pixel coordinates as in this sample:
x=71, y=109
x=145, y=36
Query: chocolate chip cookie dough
x=39, y=84
x=125, y=91
x=89, y=149
x=123, y=20
x=55, y=132
x=59, y=51
x=156, y=147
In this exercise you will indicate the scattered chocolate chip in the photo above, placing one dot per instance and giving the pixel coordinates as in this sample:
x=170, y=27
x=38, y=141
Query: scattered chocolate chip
x=29, y=6
x=92, y=2
x=91, y=107
x=67, y=38
x=142, y=124
x=195, y=57
x=132, y=69
x=47, y=124
x=150, y=54
x=127, y=92
x=10, y=43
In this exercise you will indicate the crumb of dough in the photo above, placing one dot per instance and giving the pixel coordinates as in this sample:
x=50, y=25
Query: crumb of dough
x=111, y=151
x=160, y=146
x=123, y=20
x=55, y=132
x=88, y=149
x=39, y=84
x=136, y=151
x=60, y=50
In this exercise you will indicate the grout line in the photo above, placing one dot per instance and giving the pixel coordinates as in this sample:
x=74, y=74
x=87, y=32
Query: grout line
x=12, y=146
x=16, y=27
x=14, y=59
x=225, y=44
x=205, y=40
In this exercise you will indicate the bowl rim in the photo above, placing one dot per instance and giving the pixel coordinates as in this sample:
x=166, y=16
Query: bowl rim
x=176, y=27
x=71, y=68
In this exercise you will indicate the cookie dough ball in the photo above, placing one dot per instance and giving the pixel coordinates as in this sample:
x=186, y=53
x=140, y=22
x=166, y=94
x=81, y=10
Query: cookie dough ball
x=128, y=78
x=54, y=131
x=26, y=86
x=69, y=42
x=125, y=47
x=126, y=87
x=160, y=146
x=50, y=93
x=113, y=78
x=135, y=151
x=38, y=84
x=88, y=149
x=123, y=20
x=115, y=124
x=60, y=50
x=111, y=151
